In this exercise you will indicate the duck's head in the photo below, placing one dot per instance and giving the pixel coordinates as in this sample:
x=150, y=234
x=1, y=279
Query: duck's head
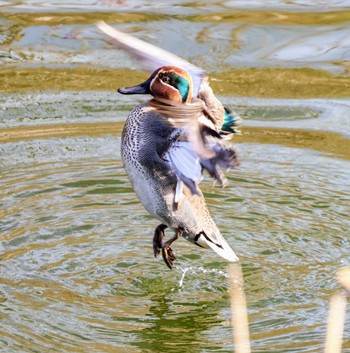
x=167, y=82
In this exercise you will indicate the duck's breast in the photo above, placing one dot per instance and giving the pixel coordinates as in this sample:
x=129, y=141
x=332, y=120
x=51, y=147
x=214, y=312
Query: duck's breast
x=144, y=140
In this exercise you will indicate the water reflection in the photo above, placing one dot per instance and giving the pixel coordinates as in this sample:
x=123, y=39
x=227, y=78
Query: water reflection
x=299, y=5
x=320, y=47
x=314, y=37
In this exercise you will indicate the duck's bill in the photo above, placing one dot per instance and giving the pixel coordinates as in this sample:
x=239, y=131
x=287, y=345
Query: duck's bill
x=142, y=88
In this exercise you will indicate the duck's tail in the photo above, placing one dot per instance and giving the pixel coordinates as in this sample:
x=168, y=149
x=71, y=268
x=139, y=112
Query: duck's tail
x=219, y=245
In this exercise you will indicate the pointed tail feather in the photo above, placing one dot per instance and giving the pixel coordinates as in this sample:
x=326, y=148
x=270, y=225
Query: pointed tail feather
x=221, y=248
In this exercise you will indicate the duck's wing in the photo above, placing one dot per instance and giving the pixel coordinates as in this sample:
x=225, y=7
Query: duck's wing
x=225, y=120
x=150, y=56
x=231, y=123
x=195, y=120
x=203, y=141
x=188, y=165
x=196, y=145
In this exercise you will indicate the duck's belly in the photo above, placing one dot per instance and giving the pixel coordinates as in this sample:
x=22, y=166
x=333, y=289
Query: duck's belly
x=154, y=182
x=159, y=202
x=143, y=188
x=155, y=200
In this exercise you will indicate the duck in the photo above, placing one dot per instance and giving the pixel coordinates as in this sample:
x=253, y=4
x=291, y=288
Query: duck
x=169, y=141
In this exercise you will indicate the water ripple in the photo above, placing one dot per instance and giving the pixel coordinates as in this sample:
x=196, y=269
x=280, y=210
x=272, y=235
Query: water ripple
x=77, y=269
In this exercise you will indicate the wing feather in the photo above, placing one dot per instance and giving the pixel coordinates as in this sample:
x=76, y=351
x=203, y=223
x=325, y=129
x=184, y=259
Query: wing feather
x=185, y=163
x=188, y=165
x=150, y=56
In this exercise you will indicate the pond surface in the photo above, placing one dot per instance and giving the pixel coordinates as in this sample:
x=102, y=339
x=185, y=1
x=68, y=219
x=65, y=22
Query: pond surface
x=77, y=271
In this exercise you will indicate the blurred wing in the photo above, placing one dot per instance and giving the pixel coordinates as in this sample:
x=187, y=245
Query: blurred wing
x=188, y=165
x=151, y=56
x=190, y=118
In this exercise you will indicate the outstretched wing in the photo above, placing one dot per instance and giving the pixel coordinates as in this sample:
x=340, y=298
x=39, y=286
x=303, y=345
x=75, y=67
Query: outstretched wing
x=150, y=56
x=196, y=145
x=188, y=165
x=193, y=118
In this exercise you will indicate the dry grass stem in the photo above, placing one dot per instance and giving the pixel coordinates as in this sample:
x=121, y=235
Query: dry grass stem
x=343, y=277
x=239, y=312
x=335, y=327
x=337, y=310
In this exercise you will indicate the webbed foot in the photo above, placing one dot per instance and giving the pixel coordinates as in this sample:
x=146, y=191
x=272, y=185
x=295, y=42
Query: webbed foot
x=168, y=255
x=158, y=245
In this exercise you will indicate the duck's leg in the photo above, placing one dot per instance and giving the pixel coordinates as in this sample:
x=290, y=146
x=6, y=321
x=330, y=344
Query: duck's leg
x=167, y=252
x=158, y=239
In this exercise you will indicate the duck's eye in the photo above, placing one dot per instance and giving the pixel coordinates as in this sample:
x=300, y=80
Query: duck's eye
x=166, y=79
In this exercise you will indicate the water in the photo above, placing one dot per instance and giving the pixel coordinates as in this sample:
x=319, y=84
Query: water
x=77, y=270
